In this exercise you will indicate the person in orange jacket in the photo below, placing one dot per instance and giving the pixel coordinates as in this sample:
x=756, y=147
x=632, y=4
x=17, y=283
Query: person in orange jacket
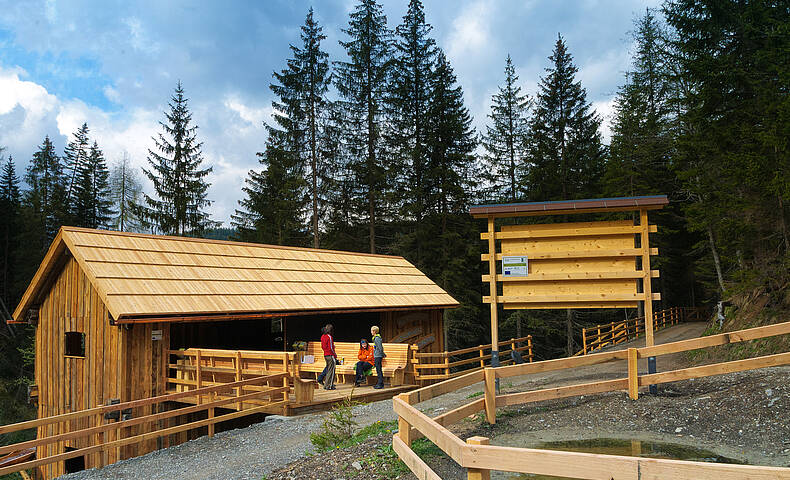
x=365, y=362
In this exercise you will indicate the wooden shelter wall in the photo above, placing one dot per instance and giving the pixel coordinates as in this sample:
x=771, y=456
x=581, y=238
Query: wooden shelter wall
x=118, y=363
x=427, y=324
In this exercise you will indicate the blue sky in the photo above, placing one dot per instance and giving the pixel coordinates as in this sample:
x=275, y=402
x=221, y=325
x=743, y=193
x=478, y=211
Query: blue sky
x=114, y=64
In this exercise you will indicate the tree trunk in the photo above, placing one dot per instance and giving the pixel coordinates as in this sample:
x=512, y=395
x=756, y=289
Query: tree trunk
x=569, y=331
x=783, y=224
x=716, y=260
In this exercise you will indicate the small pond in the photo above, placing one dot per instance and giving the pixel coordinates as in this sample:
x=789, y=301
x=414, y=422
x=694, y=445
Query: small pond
x=634, y=448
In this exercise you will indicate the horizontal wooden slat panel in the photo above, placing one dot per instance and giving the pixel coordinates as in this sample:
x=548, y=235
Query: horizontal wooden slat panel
x=625, y=252
x=568, y=232
x=545, y=277
x=603, y=297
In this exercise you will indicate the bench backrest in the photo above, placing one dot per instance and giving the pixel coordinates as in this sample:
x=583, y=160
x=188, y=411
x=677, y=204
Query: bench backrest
x=397, y=353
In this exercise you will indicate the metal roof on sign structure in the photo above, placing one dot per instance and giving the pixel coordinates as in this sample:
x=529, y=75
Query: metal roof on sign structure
x=141, y=276
x=564, y=207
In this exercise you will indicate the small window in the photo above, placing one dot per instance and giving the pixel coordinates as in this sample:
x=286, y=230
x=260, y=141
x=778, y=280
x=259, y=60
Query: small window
x=76, y=464
x=75, y=344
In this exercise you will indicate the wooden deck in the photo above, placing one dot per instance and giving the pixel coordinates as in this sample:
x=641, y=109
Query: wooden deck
x=324, y=399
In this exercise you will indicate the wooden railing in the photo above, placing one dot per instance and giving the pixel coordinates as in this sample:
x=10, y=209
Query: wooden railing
x=201, y=367
x=108, y=430
x=430, y=366
x=614, y=333
x=480, y=458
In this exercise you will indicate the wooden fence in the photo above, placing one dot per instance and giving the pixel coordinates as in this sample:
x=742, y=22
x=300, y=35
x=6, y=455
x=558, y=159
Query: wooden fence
x=110, y=426
x=430, y=367
x=480, y=458
x=614, y=333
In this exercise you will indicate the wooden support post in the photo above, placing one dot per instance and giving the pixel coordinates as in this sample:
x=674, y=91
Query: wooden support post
x=240, y=405
x=476, y=473
x=493, y=293
x=446, y=367
x=529, y=346
x=584, y=340
x=646, y=284
x=198, y=376
x=490, y=395
x=482, y=359
x=633, y=374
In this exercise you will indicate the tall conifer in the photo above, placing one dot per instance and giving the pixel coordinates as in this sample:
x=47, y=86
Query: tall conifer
x=75, y=156
x=10, y=204
x=92, y=195
x=409, y=104
x=126, y=193
x=274, y=205
x=566, y=147
x=177, y=174
x=361, y=82
x=505, y=141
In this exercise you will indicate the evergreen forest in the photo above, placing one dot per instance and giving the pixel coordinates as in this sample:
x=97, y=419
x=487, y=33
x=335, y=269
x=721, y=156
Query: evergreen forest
x=375, y=151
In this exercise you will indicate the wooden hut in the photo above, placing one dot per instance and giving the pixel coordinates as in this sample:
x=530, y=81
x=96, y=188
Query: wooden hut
x=108, y=306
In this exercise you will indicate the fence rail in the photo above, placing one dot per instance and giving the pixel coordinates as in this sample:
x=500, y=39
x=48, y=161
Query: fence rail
x=480, y=458
x=606, y=335
x=433, y=366
x=105, y=434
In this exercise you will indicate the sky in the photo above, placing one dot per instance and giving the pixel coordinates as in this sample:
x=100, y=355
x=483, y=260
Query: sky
x=114, y=65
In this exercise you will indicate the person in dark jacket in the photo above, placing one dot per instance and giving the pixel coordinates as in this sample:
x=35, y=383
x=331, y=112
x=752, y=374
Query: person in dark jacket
x=365, y=362
x=330, y=357
x=378, y=355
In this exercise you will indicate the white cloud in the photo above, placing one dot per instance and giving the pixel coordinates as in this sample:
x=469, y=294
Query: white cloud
x=471, y=33
x=252, y=115
x=138, y=38
x=605, y=109
x=26, y=112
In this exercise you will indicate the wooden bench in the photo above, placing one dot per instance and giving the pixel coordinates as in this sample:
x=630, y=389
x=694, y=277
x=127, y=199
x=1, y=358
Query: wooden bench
x=393, y=367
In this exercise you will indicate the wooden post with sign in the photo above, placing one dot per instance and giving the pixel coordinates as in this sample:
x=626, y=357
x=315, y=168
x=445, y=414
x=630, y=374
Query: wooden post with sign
x=570, y=265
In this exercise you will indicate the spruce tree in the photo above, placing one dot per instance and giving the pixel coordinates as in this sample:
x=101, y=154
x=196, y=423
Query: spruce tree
x=505, y=141
x=10, y=204
x=46, y=197
x=126, y=192
x=175, y=170
x=75, y=156
x=274, y=205
x=92, y=195
x=567, y=153
x=316, y=78
x=361, y=83
x=302, y=111
x=408, y=103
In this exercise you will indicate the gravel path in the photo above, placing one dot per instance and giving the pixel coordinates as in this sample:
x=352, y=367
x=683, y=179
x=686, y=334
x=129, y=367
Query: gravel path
x=242, y=454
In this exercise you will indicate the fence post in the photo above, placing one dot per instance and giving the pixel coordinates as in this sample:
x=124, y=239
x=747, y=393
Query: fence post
x=404, y=429
x=529, y=346
x=490, y=395
x=633, y=374
x=476, y=473
x=482, y=358
x=239, y=377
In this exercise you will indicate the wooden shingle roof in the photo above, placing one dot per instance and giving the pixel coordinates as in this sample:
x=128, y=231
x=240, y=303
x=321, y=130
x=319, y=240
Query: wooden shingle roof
x=140, y=275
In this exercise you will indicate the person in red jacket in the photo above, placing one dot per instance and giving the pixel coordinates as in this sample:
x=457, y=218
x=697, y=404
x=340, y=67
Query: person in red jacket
x=365, y=362
x=330, y=357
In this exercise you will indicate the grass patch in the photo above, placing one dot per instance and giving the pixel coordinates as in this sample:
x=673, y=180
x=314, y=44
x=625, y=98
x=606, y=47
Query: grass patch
x=474, y=395
x=384, y=462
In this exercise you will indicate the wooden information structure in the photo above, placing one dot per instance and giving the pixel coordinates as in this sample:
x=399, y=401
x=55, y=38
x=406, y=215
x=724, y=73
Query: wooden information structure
x=571, y=265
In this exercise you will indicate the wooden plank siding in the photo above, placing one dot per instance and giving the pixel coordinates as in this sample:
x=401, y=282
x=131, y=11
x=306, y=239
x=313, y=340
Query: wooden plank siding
x=113, y=357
